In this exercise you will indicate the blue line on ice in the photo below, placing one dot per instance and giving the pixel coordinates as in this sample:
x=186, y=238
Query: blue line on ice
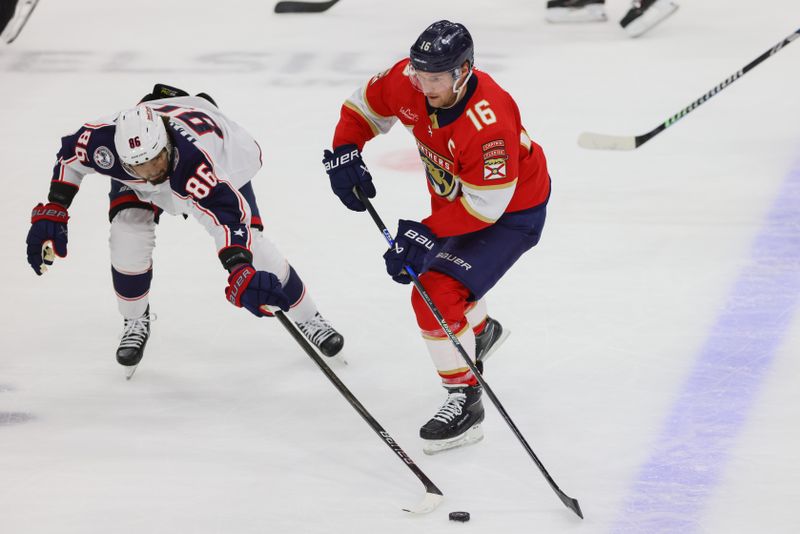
x=674, y=485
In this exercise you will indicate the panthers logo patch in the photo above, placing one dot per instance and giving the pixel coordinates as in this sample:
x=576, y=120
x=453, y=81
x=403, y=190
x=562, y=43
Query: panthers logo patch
x=438, y=170
x=442, y=181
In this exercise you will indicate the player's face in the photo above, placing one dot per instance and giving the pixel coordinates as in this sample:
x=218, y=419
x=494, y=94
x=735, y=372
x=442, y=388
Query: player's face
x=437, y=86
x=155, y=170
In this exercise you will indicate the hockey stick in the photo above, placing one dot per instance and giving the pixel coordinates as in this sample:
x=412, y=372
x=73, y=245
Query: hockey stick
x=621, y=142
x=433, y=496
x=24, y=11
x=568, y=501
x=287, y=6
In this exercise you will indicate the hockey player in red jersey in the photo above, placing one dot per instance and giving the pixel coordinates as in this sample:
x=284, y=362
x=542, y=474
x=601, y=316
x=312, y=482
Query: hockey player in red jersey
x=177, y=154
x=488, y=186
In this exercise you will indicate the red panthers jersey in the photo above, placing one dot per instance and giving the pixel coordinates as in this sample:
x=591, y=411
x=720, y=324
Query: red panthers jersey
x=479, y=160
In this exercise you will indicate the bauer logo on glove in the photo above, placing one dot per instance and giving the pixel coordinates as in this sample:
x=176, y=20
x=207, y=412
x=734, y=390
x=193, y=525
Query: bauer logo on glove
x=344, y=159
x=255, y=291
x=418, y=238
x=48, y=236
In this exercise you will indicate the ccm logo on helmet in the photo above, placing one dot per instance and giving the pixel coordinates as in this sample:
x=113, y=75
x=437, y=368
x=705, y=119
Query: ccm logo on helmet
x=134, y=142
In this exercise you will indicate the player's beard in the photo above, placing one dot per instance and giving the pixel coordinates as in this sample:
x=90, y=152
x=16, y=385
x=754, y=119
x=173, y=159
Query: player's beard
x=161, y=180
x=441, y=103
x=454, y=97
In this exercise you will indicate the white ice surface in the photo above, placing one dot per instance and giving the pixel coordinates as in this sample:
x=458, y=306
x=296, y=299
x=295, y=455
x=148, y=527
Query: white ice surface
x=227, y=427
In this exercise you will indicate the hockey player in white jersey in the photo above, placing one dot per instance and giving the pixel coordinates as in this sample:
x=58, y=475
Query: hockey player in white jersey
x=182, y=156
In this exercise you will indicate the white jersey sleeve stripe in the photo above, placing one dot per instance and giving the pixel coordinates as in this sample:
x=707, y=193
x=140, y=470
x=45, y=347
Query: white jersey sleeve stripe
x=487, y=203
x=525, y=140
x=72, y=171
x=358, y=102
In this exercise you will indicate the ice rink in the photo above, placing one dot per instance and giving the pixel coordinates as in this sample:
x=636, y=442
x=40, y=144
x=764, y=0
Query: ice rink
x=653, y=361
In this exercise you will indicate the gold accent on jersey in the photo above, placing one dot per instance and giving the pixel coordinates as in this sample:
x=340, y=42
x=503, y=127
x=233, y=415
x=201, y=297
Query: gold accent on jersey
x=512, y=183
x=525, y=140
x=353, y=107
x=441, y=182
x=454, y=372
x=475, y=213
x=369, y=107
x=429, y=335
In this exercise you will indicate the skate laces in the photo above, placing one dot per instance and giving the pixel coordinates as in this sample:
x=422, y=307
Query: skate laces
x=317, y=329
x=452, y=407
x=135, y=331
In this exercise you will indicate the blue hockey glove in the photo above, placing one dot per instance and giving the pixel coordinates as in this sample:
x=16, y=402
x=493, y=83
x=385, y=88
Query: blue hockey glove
x=347, y=170
x=48, y=227
x=253, y=289
x=412, y=244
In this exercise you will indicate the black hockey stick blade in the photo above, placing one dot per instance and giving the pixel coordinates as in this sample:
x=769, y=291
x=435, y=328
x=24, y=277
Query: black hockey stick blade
x=570, y=503
x=289, y=6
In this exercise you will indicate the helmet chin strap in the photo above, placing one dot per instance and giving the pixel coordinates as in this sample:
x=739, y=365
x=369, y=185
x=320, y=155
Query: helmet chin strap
x=459, y=91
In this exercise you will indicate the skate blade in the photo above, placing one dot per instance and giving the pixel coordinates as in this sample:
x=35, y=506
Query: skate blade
x=428, y=504
x=650, y=18
x=590, y=13
x=473, y=435
x=496, y=345
x=129, y=370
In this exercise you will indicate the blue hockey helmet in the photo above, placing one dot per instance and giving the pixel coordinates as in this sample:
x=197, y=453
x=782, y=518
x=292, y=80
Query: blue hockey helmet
x=443, y=46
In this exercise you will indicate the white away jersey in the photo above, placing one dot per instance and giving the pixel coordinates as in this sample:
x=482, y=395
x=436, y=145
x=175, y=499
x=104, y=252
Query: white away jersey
x=213, y=158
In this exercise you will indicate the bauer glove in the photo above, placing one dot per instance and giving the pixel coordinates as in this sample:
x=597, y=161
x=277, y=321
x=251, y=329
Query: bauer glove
x=48, y=236
x=412, y=244
x=251, y=289
x=346, y=170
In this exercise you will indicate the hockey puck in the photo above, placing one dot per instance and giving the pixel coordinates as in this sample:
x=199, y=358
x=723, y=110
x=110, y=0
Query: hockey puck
x=459, y=516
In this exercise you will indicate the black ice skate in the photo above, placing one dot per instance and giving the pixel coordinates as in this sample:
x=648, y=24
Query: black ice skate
x=135, y=334
x=457, y=423
x=488, y=341
x=320, y=332
x=644, y=14
x=576, y=11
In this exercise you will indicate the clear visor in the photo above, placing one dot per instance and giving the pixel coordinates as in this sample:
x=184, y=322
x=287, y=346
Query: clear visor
x=152, y=170
x=433, y=82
